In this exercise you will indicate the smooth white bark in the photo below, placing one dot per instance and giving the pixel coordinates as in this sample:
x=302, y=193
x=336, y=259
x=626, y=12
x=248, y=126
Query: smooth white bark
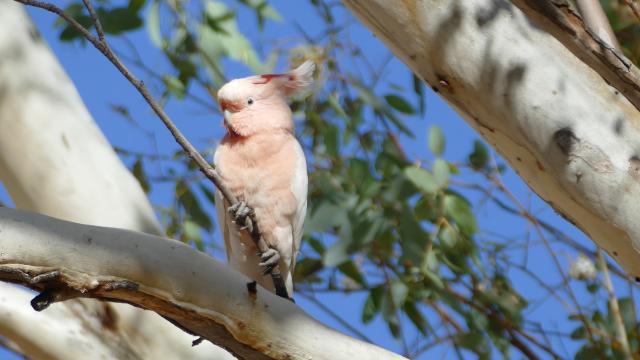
x=182, y=284
x=53, y=157
x=49, y=335
x=54, y=160
x=573, y=138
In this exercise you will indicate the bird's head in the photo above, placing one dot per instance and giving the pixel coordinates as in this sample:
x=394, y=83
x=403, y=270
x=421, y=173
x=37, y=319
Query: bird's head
x=258, y=103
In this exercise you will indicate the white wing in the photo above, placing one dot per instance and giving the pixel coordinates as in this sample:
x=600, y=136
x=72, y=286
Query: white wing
x=299, y=186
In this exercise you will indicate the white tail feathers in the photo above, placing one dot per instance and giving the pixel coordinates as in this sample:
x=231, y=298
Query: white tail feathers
x=300, y=78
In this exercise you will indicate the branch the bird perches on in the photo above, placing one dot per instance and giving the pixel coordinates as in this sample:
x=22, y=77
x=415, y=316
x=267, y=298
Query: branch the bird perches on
x=247, y=223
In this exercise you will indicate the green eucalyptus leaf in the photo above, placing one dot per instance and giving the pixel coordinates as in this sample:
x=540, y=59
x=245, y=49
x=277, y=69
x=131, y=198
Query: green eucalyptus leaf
x=324, y=217
x=426, y=208
x=430, y=262
x=141, y=175
x=307, y=267
x=414, y=314
x=441, y=173
x=337, y=253
x=372, y=304
x=192, y=206
x=399, y=292
x=589, y=352
x=479, y=157
x=136, y=5
x=350, y=269
x=471, y=340
x=459, y=209
x=436, y=140
x=422, y=179
x=413, y=240
x=192, y=233
x=153, y=24
x=118, y=20
x=399, y=103
x=208, y=194
x=434, y=278
x=390, y=315
x=226, y=39
x=449, y=238
x=579, y=333
x=333, y=101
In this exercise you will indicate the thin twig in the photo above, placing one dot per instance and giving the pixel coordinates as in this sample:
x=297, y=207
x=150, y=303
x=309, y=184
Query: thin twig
x=95, y=20
x=621, y=333
x=497, y=180
x=101, y=44
x=552, y=230
x=520, y=345
x=503, y=321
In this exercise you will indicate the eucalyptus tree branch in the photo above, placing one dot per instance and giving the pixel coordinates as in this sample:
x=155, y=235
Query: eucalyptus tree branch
x=196, y=293
x=102, y=45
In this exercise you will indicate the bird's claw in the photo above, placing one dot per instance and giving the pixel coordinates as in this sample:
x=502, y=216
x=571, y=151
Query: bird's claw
x=239, y=212
x=269, y=260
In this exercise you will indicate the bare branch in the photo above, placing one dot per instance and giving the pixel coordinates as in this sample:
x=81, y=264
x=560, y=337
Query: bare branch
x=206, y=168
x=95, y=20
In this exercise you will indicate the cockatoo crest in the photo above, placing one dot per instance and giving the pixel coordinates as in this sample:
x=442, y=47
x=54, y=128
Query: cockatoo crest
x=259, y=103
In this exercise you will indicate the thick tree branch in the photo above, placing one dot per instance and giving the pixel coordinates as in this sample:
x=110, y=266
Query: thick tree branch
x=102, y=45
x=196, y=293
x=554, y=116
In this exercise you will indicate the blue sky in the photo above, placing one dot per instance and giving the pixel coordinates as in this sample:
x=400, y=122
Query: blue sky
x=101, y=86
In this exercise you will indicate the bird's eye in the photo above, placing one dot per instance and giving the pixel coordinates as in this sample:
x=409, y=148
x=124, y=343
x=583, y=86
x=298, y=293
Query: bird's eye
x=250, y=101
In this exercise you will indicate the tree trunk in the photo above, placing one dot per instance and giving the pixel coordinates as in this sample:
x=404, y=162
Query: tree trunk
x=569, y=134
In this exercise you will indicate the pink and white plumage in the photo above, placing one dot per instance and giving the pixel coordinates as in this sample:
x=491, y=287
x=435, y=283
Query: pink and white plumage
x=262, y=163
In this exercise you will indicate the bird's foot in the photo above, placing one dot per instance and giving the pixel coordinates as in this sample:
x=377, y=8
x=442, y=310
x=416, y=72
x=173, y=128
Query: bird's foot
x=240, y=212
x=269, y=260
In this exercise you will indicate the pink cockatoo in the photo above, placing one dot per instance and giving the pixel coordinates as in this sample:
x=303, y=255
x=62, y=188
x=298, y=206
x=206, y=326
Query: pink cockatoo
x=263, y=165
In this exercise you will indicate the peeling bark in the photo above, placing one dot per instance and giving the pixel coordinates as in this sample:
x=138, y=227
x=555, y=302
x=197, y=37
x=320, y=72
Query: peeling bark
x=200, y=295
x=571, y=136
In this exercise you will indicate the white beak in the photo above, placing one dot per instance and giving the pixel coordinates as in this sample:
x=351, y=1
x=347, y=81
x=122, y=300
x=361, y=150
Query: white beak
x=227, y=115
